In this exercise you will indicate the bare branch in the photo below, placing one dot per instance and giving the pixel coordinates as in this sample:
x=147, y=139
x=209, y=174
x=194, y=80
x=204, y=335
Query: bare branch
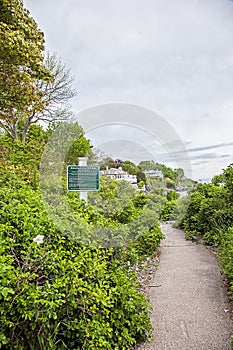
x=51, y=101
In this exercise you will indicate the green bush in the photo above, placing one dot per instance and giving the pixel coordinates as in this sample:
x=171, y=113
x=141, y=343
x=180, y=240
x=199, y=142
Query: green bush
x=172, y=195
x=116, y=201
x=147, y=243
x=58, y=294
x=62, y=293
x=168, y=209
x=226, y=257
x=210, y=216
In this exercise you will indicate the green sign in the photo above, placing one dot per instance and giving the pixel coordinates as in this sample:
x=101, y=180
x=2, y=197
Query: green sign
x=83, y=178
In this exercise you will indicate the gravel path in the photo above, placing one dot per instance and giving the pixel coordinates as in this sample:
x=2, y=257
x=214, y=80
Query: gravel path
x=190, y=308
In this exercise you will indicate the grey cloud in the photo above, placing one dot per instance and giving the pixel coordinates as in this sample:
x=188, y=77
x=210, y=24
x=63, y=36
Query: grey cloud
x=174, y=57
x=205, y=156
x=226, y=156
x=126, y=150
x=201, y=162
x=205, y=148
x=201, y=156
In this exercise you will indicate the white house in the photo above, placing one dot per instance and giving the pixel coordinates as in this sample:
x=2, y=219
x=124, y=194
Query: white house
x=119, y=174
x=154, y=173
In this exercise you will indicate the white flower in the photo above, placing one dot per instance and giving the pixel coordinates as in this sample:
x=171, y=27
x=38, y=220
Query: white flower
x=38, y=239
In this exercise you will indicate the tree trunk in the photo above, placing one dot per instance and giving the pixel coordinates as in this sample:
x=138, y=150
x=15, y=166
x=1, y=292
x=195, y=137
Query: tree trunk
x=25, y=129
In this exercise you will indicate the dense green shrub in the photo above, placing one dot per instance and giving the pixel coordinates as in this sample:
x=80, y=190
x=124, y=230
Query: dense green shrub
x=179, y=211
x=146, y=244
x=172, y=195
x=22, y=159
x=209, y=215
x=57, y=290
x=169, y=205
x=58, y=294
x=115, y=200
x=226, y=256
x=168, y=209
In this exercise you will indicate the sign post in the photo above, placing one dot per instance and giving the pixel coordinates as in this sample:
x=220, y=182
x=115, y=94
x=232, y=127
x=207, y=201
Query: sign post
x=83, y=162
x=83, y=178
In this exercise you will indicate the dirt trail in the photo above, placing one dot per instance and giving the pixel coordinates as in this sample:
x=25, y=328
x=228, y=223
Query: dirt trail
x=189, y=303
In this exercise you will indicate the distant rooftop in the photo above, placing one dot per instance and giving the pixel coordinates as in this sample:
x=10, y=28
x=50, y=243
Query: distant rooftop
x=119, y=174
x=154, y=173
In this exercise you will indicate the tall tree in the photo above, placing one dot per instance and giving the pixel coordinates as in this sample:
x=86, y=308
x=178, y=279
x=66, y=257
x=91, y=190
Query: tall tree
x=32, y=88
x=107, y=162
x=133, y=169
x=21, y=64
x=178, y=174
x=56, y=94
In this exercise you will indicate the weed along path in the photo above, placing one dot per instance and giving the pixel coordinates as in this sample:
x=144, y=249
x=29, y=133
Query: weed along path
x=190, y=308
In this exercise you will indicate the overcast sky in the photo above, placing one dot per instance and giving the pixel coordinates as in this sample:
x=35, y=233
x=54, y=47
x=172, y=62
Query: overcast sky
x=174, y=57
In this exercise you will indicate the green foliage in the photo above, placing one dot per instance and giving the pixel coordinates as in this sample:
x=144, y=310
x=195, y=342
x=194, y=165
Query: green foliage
x=140, y=200
x=115, y=200
x=168, y=209
x=80, y=148
x=172, y=195
x=58, y=291
x=137, y=213
x=226, y=256
x=210, y=216
x=141, y=177
x=167, y=172
x=107, y=162
x=147, y=243
x=140, y=184
x=209, y=213
x=23, y=42
x=130, y=167
x=65, y=143
x=170, y=183
x=188, y=183
x=169, y=206
x=21, y=53
x=148, y=165
x=133, y=169
x=179, y=174
x=179, y=211
x=156, y=182
x=22, y=158
x=59, y=294
x=32, y=88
